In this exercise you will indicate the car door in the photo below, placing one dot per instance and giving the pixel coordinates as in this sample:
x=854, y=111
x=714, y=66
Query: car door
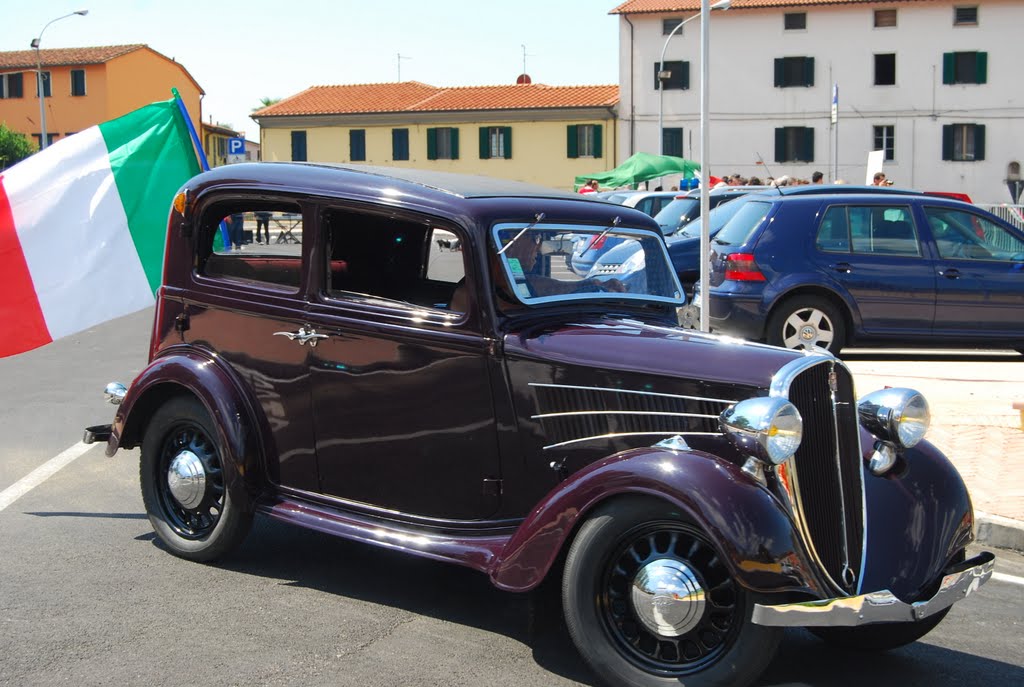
x=873, y=251
x=402, y=404
x=980, y=273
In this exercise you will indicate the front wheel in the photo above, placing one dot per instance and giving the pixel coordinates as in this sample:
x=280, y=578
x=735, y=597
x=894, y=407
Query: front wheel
x=808, y=322
x=649, y=601
x=183, y=484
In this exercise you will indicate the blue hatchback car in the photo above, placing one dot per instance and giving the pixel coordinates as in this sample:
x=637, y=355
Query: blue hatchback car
x=806, y=271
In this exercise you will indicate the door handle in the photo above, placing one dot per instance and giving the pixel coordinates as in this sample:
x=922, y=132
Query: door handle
x=843, y=267
x=951, y=273
x=304, y=336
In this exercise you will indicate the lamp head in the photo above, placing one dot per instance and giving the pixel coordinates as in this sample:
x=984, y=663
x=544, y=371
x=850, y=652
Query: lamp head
x=721, y=5
x=35, y=43
x=85, y=12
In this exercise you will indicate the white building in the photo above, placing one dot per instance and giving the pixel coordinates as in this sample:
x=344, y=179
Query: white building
x=936, y=84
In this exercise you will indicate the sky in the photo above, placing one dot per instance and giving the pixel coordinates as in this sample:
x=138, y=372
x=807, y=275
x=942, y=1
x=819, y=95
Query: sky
x=242, y=51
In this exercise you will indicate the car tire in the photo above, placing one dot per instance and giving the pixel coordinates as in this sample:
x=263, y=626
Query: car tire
x=620, y=631
x=183, y=483
x=809, y=322
x=881, y=637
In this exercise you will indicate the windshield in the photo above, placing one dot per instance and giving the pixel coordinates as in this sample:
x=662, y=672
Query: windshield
x=538, y=262
x=677, y=213
x=717, y=218
x=739, y=228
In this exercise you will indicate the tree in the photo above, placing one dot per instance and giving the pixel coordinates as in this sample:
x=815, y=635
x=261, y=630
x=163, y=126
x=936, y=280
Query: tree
x=266, y=101
x=14, y=147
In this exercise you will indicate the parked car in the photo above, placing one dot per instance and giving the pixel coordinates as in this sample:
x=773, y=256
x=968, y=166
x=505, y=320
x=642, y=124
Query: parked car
x=686, y=207
x=868, y=269
x=689, y=495
x=588, y=249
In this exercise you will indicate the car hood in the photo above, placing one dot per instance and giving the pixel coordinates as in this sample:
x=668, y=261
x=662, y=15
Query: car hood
x=628, y=345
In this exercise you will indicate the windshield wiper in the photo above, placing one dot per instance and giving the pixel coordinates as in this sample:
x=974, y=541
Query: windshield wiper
x=536, y=219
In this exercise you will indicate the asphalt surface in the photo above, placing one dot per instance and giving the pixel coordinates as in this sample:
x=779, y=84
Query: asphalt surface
x=88, y=597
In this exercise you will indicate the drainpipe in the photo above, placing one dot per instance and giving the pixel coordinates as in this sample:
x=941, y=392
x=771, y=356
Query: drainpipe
x=632, y=102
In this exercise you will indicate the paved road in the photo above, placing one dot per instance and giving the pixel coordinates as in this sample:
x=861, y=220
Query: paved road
x=87, y=597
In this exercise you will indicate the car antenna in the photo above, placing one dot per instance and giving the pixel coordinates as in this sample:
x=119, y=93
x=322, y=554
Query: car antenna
x=536, y=218
x=765, y=164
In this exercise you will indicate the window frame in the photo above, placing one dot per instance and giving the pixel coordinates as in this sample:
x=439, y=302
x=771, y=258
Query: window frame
x=495, y=142
x=668, y=135
x=357, y=145
x=47, y=84
x=888, y=140
x=877, y=58
x=680, y=82
x=789, y=149
x=5, y=85
x=957, y=21
x=443, y=143
x=798, y=19
x=955, y=140
x=300, y=145
x=400, y=144
x=794, y=72
x=74, y=83
x=957, y=69
x=593, y=143
x=879, y=23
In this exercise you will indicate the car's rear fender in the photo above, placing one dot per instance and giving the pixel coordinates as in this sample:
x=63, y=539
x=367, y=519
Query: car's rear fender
x=787, y=286
x=189, y=372
x=754, y=533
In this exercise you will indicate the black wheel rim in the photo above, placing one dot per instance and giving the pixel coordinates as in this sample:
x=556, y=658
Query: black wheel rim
x=718, y=626
x=200, y=521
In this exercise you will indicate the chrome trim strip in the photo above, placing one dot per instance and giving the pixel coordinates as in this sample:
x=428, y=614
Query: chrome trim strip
x=634, y=434
x=783, y=379
x=847, y=570
x=878, y=607
x=622, y=412
x=632, y=391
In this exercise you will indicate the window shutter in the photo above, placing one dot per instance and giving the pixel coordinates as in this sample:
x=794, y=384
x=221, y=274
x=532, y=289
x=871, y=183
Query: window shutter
x=299, y=146
x=16, y=86
x=808, y=152
x=947, y=141
x=508, y=143
x=431, y=144
x=657, y=70
x=982, y=67
x=948, y=68
x=572, y=146
x=979, y=142
x=485, y=143
x=808, y=71
x=2, y=93
x=455, y=143
x=780, y=144
x=686, y=76
x=780, y=71
x=598, y=139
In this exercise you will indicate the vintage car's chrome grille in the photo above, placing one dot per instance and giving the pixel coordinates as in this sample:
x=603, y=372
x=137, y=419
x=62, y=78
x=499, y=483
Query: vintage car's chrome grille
x=825, y=477
x=576, y=414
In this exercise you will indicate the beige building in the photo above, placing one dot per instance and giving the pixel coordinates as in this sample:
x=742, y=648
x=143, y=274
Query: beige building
x=540, y=134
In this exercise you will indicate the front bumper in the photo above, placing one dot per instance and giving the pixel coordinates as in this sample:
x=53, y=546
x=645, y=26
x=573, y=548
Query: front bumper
x=879, y=607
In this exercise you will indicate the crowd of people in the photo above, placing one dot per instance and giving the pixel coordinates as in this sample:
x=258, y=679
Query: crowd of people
x=879, y=179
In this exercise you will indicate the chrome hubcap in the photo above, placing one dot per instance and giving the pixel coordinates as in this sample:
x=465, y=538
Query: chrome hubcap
x=186, y=479
x=667, y=597
x=808, y=328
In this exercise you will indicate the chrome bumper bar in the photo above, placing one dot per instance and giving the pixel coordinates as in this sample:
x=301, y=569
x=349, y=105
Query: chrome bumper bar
x=879, y=607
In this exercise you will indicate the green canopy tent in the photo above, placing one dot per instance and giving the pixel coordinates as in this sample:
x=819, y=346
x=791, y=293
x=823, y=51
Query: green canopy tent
x=641, y=167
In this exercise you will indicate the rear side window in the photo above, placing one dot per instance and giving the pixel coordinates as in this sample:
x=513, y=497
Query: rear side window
x=873, y=230
x=257, y=242
x=739, y=229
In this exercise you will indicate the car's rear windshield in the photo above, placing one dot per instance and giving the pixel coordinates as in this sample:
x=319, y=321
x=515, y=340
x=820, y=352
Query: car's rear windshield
x=677, y=213
x=717, y=218
x=738, y=229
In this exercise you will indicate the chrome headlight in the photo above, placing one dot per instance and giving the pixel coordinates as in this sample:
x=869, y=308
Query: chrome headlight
x=767, y=428
x=897, y=415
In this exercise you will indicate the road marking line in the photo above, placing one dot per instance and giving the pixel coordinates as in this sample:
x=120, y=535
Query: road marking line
x=1003, y=577
x=41, y=474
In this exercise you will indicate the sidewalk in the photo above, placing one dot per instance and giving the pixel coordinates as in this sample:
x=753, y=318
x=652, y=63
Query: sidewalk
x=975, y=425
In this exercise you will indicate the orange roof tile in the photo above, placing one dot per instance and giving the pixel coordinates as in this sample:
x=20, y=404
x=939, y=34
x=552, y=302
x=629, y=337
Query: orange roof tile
x=651, y=6
x=412, y=96
x=58, y=57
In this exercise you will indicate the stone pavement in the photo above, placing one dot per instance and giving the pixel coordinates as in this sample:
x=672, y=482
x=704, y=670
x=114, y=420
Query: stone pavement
x=973, y=422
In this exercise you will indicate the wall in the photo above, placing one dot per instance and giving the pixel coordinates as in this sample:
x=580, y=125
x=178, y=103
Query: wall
x=65, y=114
x=144, y=76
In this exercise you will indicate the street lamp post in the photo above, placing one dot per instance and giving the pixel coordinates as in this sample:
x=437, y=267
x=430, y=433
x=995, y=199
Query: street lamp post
x=39, y=76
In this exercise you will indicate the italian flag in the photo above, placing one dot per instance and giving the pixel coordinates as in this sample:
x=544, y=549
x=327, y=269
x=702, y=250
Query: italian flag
x=83, y=225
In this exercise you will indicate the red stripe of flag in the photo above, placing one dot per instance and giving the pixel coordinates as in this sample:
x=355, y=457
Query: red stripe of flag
x=22, y=326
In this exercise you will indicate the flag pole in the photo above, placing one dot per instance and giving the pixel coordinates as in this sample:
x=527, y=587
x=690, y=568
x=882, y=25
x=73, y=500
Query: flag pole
x=203, y=163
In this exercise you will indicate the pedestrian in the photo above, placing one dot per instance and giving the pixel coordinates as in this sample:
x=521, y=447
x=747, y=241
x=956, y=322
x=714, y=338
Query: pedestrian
x=263, y=220
x=817, y=178
x=236, y=229
x=589, y=187
x=879, y=179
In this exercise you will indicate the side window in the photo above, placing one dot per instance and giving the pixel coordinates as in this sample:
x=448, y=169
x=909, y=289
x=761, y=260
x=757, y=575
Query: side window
x=881, y=230
x=392, y=262
x=834, y=232
x=966, y=236
x=256, y=242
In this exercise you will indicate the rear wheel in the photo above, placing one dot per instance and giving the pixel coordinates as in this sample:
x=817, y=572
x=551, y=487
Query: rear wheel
x=649, y=601
x=808, y=322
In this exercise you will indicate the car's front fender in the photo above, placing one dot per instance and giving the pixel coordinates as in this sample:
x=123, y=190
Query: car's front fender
x=751, y=528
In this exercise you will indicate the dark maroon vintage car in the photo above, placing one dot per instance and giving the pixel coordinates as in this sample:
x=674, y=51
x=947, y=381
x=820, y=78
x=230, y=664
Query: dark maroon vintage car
x=409, y=361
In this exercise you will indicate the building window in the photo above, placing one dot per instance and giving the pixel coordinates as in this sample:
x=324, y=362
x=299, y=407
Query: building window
x=46, y=85
x=443, y=143
x=794, y=21
x=357, y=145
x=794, y=144
x=299, y=146
x=495, y=142
x=12, y=86
x=77, y=82
x=794, y=71
x=885, y=69
x=675, y=75
x=963, y=142
x=964, y=67
x=885, y=139
x=399, y=144
x=583, y=140
x=965, y=16
x=885, y=19
x=669, y=25
x=50, y=138
x=672, y=141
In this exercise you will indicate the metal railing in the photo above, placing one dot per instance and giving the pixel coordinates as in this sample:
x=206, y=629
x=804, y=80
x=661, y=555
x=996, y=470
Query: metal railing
x=1014, y=214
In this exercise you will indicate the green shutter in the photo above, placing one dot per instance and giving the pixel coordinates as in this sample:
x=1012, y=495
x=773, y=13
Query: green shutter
x=981, y=65
x=808, y=71
x=485, y=143
x=572, y=149
x=979, y=142
x=948, y=68
x=431, y=144
x=808, y=153
x=686, y=76
x=598, y=139
x=657, y=70
x=780, y=144
x=947, y=141
x=455, y=143
x=508, y=143
x=780, y=74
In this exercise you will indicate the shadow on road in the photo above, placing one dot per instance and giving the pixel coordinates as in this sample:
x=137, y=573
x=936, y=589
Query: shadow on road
x=936, y=355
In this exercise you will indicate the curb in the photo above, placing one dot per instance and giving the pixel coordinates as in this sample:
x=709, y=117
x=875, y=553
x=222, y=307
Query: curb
x=1000, y=532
